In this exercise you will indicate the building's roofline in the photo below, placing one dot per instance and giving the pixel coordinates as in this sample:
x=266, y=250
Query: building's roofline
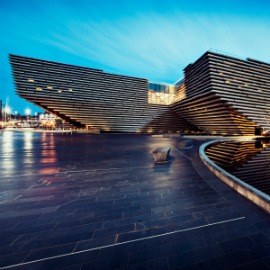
x=10, y=55
x=232, y=56
x=237, y=56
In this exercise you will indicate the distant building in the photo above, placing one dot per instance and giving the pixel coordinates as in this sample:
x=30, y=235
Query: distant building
x=46, y=117
x=219, y=94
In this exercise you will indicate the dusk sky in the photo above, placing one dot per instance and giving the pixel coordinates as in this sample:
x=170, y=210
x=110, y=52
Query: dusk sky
x=149, y=39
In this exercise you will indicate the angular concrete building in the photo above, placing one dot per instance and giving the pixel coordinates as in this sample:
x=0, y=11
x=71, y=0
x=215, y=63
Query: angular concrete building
x=219, y=94
x=226, y=95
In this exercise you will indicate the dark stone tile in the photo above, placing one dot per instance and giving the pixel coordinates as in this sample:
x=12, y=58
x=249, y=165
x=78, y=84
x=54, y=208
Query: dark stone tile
x=162, y=222
x=7, y=249
x=194, y=256
x=54, y=241
x=71, y=267
x=89, y=220
x=128, y=248
x=19, y=231
x=237, y=244
x=118, y=210
x=205, y=230
x=83, y=228
x=258, y=251
x=260, y=238
x=8, y=239
x=130, y=220
x=144, y=233
x=263, y=225
x=50, y=252
x=68, y=261
x=13, y=259
x=195, y=266
x=160, y=250
x=156, y=264
x=114, y=230
x=224, y=216
x=97, y=265
x=253, y=265
x=190, y=224
x=266, y=261
x=131, y=213
x=227, y=261
x=163, y=240
x=98, y=242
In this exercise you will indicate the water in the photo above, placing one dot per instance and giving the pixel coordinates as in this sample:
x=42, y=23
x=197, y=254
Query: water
x=248, y=161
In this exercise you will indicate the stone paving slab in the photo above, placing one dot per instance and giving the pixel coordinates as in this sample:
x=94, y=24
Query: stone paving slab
x=100, y=202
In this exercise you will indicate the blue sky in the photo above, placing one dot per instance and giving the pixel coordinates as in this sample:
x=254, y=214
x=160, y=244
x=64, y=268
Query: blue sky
x=150, y=39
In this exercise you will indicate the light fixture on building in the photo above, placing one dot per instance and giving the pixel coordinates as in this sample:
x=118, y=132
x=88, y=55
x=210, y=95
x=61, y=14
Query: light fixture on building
x=49, y=87
x=38, y=88
x=31, y=80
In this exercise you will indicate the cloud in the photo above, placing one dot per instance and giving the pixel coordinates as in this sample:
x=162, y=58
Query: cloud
x=159, y=46
x=145, y=39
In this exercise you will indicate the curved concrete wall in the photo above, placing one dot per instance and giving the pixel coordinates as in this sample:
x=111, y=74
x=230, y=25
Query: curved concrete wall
x=259, y=198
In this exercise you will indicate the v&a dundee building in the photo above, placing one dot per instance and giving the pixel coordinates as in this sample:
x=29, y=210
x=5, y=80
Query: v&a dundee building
x=218, y=94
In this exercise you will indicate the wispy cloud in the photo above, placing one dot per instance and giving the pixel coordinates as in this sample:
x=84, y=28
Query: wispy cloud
x=159, y=47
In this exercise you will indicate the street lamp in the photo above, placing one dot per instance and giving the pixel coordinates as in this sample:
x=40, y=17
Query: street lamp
x=16, y=115
x=27, y=112
x=7, y=110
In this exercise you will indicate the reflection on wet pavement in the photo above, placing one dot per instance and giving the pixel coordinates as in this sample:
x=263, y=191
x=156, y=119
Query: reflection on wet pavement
x=74, y=195
x=248, y=161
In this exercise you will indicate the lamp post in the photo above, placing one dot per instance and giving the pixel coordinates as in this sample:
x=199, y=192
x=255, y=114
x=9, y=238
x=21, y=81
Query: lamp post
x=27, y=112
x=16, y=115
x=7, y=110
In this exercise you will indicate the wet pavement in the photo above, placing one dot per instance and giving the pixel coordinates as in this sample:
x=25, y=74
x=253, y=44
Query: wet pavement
x=86, y=201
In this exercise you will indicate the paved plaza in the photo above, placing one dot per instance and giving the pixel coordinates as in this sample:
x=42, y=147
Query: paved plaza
x=98, y=201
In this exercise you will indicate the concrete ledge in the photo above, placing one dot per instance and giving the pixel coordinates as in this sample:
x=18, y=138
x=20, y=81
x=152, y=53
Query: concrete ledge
x=256, y=196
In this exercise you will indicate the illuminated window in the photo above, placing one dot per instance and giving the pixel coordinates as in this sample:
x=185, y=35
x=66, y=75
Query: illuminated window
x=31, y=80
x=260, y=90
x=49, y=87
x=227, y=81
x=220, y=73
x=38, y=88
x=70, y=89
x=59, y=91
